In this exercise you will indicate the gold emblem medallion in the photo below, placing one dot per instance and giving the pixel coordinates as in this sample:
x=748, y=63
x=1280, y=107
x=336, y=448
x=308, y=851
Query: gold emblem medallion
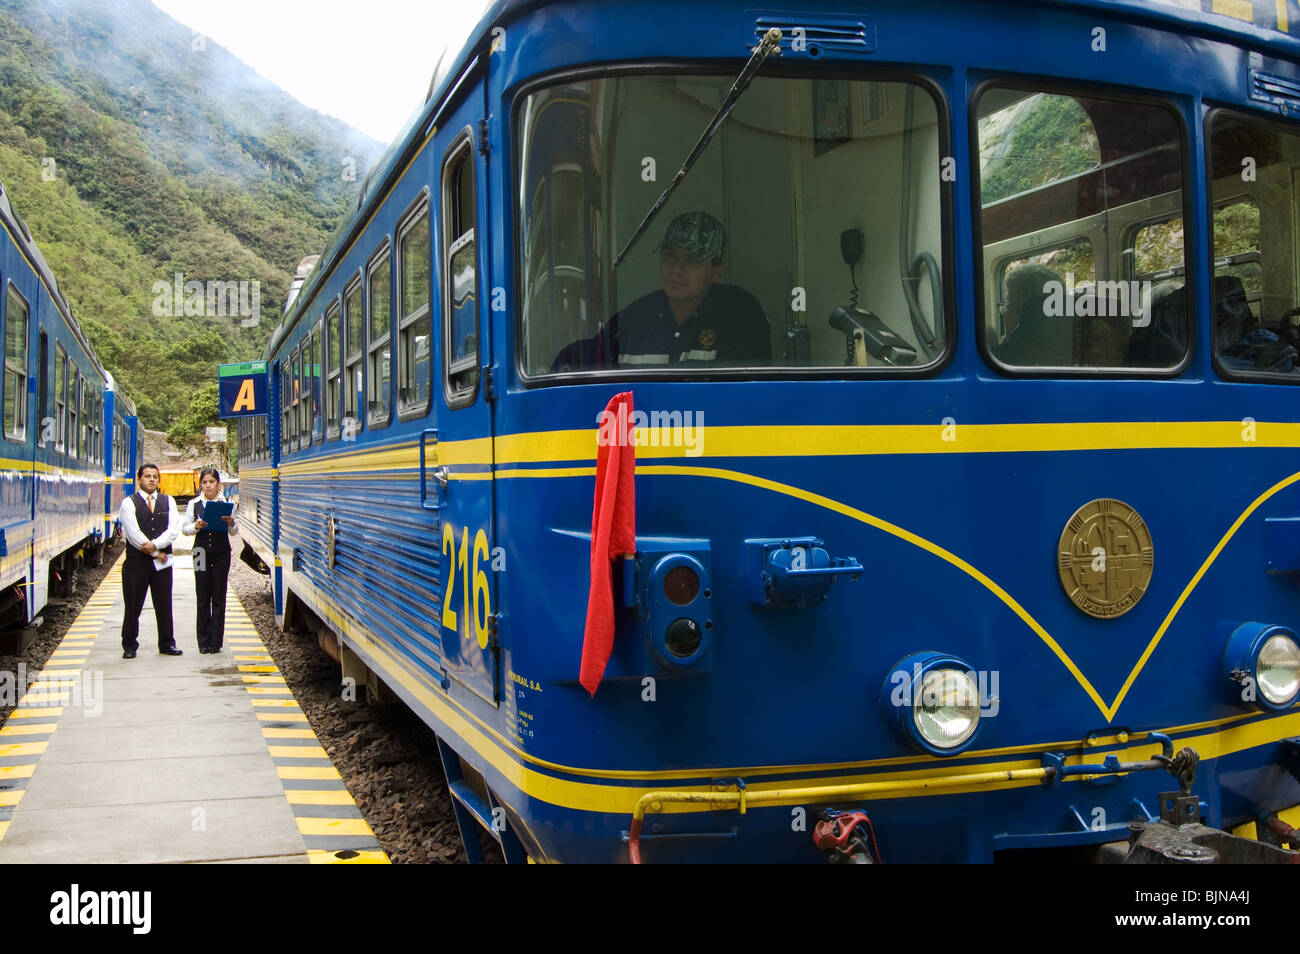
x=1105, y=558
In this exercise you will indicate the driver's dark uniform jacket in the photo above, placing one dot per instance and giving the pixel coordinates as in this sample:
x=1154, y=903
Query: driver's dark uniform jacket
x=727, y=329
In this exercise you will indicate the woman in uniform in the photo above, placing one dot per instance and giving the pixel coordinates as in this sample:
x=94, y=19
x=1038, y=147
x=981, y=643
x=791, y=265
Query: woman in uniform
x=211, y=562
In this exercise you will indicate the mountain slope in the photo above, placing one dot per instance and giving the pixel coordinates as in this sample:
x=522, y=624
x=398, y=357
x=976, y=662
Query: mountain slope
x=168, y=156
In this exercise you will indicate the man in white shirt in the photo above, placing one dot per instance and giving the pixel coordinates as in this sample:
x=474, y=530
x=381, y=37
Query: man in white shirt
x=150, y=523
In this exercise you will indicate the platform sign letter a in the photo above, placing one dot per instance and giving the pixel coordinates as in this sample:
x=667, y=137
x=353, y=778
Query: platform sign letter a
x=245, y=401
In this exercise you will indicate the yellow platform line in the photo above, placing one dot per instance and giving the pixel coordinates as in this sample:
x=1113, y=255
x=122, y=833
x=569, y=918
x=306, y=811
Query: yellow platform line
x=17, y=771
x=272, y=733
x=43, y=712
x=306, y=796
x=298, y=716
x=297, y=752
x=334, y=826
x=10, y=798
x=22, y=748
x=29, y=728
x=359, y=858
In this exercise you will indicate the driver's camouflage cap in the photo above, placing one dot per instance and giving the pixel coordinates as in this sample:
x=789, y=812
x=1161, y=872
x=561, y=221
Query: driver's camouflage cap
x=703, y=236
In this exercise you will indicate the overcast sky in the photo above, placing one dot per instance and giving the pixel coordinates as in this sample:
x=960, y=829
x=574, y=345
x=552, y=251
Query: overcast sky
x=389, y=48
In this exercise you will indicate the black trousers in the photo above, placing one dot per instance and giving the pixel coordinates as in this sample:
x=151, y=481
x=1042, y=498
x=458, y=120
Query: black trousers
x=210, y=588
x=138, y=578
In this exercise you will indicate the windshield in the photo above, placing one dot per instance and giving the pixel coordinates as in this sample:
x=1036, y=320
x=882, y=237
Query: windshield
x=808, y=235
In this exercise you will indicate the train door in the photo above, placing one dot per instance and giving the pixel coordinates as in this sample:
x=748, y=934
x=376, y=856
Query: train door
x=462, y=465
x=41, y=439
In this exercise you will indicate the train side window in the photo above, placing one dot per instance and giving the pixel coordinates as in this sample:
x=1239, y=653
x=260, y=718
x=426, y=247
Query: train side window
x=304, y=395
x=74, y=390
x=286, y=403
x=354, y=347
x=415, y=319
x=15, y=377
x=1065, y=180
x=460, y=277
x=1256, y=290
x=315, y=379
x=333, y=349
x=84, y=435
x=295, y=388
x=379, y=294
x=60, y=398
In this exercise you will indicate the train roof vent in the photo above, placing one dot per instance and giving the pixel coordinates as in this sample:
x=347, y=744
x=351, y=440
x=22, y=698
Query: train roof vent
x=1267, y=88
x=811, y=35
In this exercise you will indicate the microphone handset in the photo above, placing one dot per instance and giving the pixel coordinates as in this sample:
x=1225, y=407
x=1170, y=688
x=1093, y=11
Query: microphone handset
x=865, y=334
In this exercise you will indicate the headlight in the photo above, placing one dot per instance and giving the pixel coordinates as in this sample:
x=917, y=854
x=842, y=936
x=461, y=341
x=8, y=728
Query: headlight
x=1278, y=670
x=934, y=701
x=1262, y=663
x=946, y=710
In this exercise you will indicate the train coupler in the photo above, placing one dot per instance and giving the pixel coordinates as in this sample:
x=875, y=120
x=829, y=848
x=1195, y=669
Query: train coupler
x=847, y=837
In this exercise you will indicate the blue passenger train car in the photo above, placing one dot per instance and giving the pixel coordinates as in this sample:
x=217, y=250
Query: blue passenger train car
x=962, y=367
x=62, y=432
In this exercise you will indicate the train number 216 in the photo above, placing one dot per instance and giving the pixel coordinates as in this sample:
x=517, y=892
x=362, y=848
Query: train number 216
x=476, y=598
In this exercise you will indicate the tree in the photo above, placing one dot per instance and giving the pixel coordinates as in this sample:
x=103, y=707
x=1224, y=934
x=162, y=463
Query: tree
x=201, y=413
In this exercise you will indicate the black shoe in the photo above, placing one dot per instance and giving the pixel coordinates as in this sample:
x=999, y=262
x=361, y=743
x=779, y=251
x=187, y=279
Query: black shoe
x=128, y=654
x=204, y=651
x=171, y=651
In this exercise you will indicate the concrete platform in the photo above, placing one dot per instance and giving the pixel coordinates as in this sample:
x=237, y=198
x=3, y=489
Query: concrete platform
x=193, y=758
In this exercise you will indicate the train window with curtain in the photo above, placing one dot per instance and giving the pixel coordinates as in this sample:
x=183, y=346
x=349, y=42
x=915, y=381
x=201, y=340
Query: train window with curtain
x=809, y=235
x=84, y=437
x=1255, y=194
x=304, y=394
x=60, y=398
x=316, y=382
x=354, y=348
x=295, y=388
x=379, y=369
x=286, y=403
x=1082, y=270
x=460, y=278
x=74, y=390
x=333, y=369
x=15, y=380
x=415, y=319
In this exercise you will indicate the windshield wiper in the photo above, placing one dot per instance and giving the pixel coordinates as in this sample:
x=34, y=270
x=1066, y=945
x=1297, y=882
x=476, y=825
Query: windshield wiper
x=770, y=42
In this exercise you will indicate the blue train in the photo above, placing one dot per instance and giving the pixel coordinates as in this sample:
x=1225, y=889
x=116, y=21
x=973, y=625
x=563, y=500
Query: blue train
x=70, y=437
x=959, y=371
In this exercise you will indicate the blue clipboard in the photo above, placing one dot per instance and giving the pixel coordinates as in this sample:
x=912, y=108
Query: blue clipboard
x=213, y=511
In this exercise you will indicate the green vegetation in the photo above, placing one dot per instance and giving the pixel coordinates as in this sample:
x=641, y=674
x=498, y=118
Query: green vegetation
x=169, y=156
x=1039, y=140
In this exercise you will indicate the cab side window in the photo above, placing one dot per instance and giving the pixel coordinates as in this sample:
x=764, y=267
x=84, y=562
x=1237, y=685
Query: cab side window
x=15, y=376
x=460, y=278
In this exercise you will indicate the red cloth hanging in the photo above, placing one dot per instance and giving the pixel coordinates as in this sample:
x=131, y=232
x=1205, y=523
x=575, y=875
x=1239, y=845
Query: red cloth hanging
x=613, y=532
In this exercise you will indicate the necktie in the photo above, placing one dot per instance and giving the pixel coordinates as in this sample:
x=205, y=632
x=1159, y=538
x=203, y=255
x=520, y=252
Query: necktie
x=151, y=503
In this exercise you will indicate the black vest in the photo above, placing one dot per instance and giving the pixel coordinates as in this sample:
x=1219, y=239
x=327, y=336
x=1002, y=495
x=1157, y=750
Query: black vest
x=212, y=541
x=152, y=525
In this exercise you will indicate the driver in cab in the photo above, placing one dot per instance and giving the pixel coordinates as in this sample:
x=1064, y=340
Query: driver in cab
x=692, y=320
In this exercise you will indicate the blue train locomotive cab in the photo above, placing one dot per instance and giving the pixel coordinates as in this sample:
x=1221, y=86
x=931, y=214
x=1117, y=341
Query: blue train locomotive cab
x=925, y=547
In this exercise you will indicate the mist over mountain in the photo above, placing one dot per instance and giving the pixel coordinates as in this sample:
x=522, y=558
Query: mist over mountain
x=137, y=150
